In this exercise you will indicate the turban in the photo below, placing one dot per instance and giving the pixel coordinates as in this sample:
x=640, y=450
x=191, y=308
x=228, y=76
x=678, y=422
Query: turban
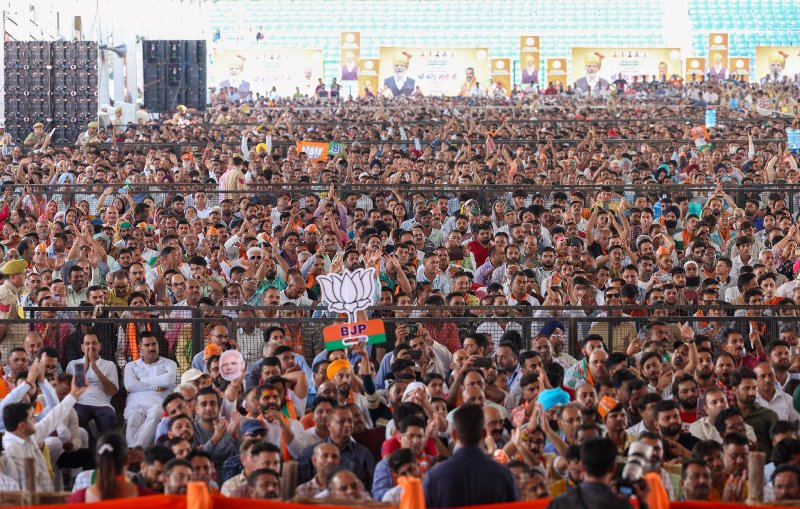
x=336, y=366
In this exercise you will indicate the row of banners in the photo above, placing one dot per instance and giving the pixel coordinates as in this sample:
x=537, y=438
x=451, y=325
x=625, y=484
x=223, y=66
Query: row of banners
x=457, y=71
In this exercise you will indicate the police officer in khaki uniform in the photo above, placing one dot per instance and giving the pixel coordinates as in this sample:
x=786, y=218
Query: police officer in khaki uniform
x=89, y=137
x=12, y=334
x=37, y=138
x=234, y=179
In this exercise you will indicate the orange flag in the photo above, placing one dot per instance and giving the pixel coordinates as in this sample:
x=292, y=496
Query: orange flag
x=412, y=497
x=197, y=496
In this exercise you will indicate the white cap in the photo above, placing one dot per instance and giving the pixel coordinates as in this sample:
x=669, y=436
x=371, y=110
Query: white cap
x=191, y=375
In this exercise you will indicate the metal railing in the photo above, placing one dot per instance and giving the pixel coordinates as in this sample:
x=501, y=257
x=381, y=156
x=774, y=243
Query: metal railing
x=306, y=332
x=484, y=194
x=183, y=329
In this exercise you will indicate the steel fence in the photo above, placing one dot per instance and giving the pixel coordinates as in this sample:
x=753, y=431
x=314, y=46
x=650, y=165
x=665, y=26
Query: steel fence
x=485, y=195
x=183, y=330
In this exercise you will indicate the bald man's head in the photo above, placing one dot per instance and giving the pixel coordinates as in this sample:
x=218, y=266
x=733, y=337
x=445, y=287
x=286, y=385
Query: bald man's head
x=597, y=365
x=493, y=422
x=474, y=395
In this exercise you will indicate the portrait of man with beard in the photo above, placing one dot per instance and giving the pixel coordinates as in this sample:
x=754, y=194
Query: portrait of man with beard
x=592, y=82
x=399, y=83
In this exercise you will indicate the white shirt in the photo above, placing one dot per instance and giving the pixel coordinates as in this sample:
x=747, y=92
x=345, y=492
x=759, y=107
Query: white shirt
x=142, y=379
x=637, y=429
x=786, y=290
x=204, y=213
x=95, y=395
x=16, y=449
x=274, y=432
x=492, y=328
x=399, y=83
x=781, y=404
x=153, y=274
x=308, y=437
x=302, y=300
x=703, y=429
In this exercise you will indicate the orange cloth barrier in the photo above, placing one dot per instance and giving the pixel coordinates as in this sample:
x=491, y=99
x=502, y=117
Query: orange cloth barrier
x=198, y=498
x=153, y=502
x=413, y=497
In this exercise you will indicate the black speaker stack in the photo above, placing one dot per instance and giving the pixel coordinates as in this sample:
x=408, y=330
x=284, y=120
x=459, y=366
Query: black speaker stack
x=174, y=73
x=54, y=83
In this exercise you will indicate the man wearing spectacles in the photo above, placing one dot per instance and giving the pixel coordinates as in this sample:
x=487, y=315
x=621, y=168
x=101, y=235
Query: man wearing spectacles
x=217, y=335
x=250, y=283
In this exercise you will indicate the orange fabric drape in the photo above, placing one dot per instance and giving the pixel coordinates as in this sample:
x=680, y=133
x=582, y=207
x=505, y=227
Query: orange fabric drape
x=198, y=498
x=658, y=498
x=133, y=346
x=413, y=497
x=284, y=447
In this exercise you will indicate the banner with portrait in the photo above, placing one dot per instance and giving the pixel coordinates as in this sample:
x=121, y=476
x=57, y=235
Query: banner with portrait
x=501, y=75
x=556, y=72
x=368, y=77
x=436, y=71
x=597, y=68
x=258, y=70
x=529, y=60
x=695, y=69
x=773, y=63
x=717, y=56
x=350, y=53
x=739, y=68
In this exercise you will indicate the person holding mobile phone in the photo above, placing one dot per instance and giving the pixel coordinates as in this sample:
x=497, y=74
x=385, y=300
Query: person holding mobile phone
x=427, y=361
x=24, y=435
x=102, y=382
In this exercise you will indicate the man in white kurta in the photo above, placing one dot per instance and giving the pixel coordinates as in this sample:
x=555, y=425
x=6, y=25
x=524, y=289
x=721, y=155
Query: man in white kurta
x=24, y=436
x=148, y=381
x=102, y=383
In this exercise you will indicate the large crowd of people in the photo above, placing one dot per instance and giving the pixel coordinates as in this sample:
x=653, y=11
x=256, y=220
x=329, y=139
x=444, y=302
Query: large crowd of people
x=563, y=280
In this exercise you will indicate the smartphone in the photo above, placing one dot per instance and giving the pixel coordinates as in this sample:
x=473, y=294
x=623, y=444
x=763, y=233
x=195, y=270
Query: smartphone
x=80, y=375
x=415, y=354
x=665, y=277
x=482, y=362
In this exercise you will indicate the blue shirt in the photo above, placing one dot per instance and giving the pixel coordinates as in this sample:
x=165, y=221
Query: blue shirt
x=382, y=480
x=353, y=456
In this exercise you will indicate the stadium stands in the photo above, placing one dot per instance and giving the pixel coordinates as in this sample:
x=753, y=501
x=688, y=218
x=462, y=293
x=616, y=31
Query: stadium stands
x=439, y=293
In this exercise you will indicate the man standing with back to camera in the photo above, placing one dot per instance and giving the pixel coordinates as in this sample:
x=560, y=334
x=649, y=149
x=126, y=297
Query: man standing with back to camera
x=469, y=477
x=598, y=456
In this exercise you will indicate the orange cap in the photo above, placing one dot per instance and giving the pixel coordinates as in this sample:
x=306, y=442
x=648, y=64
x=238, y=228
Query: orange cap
x=606, y=406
